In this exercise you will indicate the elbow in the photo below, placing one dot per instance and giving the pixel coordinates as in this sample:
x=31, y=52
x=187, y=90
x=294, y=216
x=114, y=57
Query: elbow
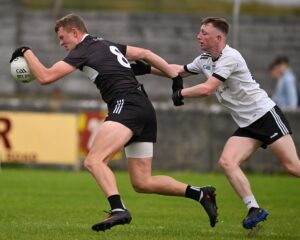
x=147, y=54
x=44, y=78
x=42, y=83
x=41, y=80
x=207, y=92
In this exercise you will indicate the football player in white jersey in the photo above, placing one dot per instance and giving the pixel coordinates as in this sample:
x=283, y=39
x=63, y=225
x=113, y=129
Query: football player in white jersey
x=260, y=122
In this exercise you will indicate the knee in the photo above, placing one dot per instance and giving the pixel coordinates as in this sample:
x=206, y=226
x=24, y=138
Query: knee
x=88, y=164
x=91, y=163
x=293, y=169
x=141, y=186
x=227, y=163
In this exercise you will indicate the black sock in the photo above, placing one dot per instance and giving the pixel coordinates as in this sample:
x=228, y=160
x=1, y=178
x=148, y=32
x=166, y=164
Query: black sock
x=115, y=202
x=193, y=192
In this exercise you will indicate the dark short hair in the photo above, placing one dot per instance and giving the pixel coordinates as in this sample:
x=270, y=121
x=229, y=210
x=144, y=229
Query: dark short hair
x=69, y=21
x=279, y=60
x=217, y=22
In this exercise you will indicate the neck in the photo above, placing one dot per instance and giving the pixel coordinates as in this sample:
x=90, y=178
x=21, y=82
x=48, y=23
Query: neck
x=216, y=52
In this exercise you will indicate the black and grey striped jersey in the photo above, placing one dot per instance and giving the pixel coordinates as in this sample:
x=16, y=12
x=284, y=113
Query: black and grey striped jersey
x=105, y=65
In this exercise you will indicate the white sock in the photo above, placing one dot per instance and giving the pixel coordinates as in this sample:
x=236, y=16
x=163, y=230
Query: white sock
x=250, y=202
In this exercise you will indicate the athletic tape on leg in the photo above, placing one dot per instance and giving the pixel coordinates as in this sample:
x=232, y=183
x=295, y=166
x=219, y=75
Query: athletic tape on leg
x=139, y=150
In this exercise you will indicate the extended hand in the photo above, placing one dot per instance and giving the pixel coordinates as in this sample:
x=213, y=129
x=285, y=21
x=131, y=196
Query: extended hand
x=177, y=98
x=177, y=83
x=19, y=52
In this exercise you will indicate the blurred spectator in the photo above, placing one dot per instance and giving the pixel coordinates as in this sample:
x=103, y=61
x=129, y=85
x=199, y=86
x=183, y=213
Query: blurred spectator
x=56, y=100
x=286, y=91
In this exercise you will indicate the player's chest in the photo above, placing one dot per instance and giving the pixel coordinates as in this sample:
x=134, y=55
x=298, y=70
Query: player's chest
x=208, y=68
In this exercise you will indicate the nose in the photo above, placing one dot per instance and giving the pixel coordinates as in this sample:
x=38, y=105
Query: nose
x=198, y=36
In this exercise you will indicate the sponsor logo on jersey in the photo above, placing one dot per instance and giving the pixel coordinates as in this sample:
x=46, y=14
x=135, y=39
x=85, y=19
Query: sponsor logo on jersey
x=207, y=67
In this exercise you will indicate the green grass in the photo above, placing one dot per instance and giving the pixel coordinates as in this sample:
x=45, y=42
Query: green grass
x=49, y=204
x=167, y=6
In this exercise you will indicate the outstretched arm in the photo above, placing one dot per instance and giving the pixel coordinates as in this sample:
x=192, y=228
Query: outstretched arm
x=43, y=75
x=201, y=90
x=135, y=53
x=141, y=68
x=178, y=68
x=47, y=75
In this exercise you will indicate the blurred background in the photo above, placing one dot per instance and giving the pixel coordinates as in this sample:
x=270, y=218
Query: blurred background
x=189, y=138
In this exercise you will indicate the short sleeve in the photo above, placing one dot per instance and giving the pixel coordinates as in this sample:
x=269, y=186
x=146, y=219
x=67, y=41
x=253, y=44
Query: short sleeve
x=122, y=48
x=75, y=58
x=194, y=67
x=225, y=66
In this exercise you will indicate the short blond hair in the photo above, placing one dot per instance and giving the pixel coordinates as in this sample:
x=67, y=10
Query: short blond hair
x=69, y=21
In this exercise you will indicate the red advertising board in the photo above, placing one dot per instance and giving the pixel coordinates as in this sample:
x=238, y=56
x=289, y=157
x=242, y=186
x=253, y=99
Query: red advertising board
x=89, y=125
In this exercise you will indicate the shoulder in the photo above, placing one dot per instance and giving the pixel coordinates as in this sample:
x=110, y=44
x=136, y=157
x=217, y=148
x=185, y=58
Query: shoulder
x=230, y=54
x=90, y=41
x=289, y=76
x=120, y=47
x=202, y=58
x=205, y=56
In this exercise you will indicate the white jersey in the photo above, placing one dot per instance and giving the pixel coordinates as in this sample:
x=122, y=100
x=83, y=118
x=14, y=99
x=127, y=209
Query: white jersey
x=239, y=92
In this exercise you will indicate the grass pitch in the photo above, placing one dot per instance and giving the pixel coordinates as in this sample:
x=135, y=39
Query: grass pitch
x=48, y=204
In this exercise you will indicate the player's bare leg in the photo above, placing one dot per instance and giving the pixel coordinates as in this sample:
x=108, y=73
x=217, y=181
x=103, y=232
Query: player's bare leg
x=143, y=182
x=111, y=137
x=237, y=150
x=286, y=153
x=140, y=170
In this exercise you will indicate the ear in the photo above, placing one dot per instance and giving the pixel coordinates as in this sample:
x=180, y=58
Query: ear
x=220, y=37
x=74, y=32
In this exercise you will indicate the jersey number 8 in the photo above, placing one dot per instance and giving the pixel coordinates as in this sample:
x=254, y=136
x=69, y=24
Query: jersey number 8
x=121, y=59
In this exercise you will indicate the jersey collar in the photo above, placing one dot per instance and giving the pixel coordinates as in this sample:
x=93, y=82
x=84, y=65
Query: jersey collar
x=214, y=60
x=84, y=36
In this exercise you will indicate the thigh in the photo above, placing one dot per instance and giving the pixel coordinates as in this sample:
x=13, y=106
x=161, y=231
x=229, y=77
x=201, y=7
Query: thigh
x=238, y=149
x=139, y=168
x=111, y=137
x=284, y=149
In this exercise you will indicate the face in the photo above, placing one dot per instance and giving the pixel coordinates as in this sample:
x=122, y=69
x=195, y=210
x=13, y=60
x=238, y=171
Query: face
x=67, y=39
x=277, y=71
x=208, y=37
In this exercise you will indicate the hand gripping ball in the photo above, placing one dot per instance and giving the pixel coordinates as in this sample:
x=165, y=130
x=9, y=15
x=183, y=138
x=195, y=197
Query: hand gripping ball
x=20, y=71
